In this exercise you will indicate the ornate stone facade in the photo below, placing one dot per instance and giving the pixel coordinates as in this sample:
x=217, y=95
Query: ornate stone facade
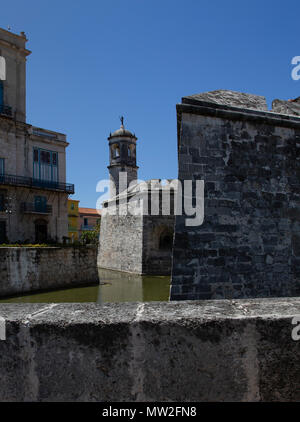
x=33, y=189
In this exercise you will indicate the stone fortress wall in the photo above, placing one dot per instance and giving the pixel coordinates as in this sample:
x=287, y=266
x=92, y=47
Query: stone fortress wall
x=249, y=159
x=25, y=270
x=142, y=243
x=120, y=243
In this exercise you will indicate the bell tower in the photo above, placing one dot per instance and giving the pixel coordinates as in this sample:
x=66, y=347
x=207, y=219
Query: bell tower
x=122, y=158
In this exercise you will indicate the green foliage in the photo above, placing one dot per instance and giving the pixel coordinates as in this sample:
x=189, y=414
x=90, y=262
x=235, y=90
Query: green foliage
x=88, y=237
x=91, y=237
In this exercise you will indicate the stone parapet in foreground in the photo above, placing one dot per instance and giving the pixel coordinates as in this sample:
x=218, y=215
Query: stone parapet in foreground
x=219, y=350
x=249, y=243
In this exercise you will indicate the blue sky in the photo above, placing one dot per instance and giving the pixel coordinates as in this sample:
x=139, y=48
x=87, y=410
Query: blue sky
x=94, y=60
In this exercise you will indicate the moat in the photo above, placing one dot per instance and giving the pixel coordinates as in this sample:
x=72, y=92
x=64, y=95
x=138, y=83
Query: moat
x=114, y=287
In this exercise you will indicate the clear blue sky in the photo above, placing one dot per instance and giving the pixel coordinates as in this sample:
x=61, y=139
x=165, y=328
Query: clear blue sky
x=94, y=60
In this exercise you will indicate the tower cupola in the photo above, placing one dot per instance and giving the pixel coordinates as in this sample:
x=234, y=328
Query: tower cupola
x=122, y=156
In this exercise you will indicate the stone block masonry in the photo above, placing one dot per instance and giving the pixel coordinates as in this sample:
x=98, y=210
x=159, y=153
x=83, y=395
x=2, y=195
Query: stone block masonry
x=135, y=244
x=178, y=351
x=249, y=159
x=24, y=270
x=120, y=243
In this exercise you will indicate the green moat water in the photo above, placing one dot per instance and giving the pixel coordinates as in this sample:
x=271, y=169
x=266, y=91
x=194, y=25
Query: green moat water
x=114, y=287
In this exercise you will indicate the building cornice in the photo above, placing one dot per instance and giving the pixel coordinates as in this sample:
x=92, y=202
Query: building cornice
x=12, y=46
x=12, y=34
x=28, y=130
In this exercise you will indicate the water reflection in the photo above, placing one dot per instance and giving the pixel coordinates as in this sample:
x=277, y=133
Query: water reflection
x=123, y=287
x=114, y=287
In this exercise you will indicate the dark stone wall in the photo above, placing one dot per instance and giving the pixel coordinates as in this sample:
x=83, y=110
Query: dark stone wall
x=114, y=172
x=291, y=107
x=249, y=243
x=157, y=258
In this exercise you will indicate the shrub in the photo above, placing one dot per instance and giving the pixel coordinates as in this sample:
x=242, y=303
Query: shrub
x=91, y=237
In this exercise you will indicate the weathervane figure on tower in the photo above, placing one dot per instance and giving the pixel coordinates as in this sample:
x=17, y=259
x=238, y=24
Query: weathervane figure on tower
x=122, y=120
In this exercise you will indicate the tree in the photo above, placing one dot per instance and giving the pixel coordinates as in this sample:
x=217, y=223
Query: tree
x=91, y=237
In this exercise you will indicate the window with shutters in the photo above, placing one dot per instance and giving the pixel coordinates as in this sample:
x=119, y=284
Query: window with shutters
x=45, y=165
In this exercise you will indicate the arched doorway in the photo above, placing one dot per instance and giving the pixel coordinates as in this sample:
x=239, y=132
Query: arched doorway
x=41, y=231
x=166, y=240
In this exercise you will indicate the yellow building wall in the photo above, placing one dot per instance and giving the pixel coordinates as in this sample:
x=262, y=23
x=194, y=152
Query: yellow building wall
x=73, y=219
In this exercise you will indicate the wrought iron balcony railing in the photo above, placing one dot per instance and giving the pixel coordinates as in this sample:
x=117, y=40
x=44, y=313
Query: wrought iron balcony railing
x=32, y=208
x=6, y=110
x=9, y=179
x=87, y=227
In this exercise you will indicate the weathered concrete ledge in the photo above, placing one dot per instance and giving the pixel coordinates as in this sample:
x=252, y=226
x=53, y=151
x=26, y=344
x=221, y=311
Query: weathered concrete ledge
x=31, y=269
x=179, y=351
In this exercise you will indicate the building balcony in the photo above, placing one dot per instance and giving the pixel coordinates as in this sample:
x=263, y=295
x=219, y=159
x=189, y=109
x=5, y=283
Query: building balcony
x=5, y=110
x=8, y=179
x=87, y=227
x=32, y=208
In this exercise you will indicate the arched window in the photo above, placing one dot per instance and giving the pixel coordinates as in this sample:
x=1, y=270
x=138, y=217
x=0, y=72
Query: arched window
x=116, y=151
x=1, y=95
x=166, y=240
x=131, y=151
x=2, y=69
x=2, y=78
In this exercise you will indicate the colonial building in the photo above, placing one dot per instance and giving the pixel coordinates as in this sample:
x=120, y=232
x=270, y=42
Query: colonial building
x=33, y=188
x=73, y=219
x=88, y=219
x=135, y=235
